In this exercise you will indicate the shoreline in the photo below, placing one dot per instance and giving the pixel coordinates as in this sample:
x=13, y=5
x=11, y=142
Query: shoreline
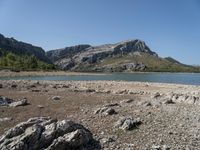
x=112, y=86
x=8, y=73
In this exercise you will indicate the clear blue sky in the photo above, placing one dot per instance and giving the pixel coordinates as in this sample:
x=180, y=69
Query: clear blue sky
x=169, y=27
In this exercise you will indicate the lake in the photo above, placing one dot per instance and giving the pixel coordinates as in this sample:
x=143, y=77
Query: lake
x=181, y=78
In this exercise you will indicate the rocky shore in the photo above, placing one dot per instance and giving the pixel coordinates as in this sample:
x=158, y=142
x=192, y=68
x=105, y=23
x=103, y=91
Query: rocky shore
x=98, y=115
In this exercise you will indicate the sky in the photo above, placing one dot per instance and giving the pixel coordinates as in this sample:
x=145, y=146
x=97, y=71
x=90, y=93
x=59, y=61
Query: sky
x=168, y=27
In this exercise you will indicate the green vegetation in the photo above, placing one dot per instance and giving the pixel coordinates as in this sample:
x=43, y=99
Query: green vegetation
x=22, y=62
x=152, y=63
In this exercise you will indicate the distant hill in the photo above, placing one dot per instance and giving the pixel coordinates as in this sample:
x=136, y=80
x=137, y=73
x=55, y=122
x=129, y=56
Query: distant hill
x=125, y=56
x=20, y=55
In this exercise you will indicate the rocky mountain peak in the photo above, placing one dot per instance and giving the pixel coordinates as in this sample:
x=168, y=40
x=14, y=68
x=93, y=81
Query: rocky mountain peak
x=71, y=58
x=134, y=46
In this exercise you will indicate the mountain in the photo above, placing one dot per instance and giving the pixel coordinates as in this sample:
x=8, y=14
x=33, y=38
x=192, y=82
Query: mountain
x=17, y=54
x=170, y=59
x=125, y=56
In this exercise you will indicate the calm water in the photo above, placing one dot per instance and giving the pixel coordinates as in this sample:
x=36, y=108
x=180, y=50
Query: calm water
x=182, y=78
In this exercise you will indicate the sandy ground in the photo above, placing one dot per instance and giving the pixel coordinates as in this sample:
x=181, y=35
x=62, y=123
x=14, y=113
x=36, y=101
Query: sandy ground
x=174, y=125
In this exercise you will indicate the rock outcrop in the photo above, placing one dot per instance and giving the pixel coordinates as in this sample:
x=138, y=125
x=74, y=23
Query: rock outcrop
x=46, y=133
x=72, y=58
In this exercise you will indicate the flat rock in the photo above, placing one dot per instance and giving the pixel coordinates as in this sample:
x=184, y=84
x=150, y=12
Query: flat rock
x=112, y=105
x=21, y=102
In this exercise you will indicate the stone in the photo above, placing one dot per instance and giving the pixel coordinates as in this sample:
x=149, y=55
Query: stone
x=191, y=100
x=127, y=123
x=35, y=90
x=107, y=140
x=127, y=101
x=5, y=119
x=21, y=102
x=156, y=95
x=146, y=104
x=105, y=111
x=90, y=90
x=4, y=101
x=156, y=147
x=166, y=147
x=14, y=86
x=46, y=133
x=55, y=98
x=169, y=101
x=1, y=86
x=112, y=105
x=40, y=106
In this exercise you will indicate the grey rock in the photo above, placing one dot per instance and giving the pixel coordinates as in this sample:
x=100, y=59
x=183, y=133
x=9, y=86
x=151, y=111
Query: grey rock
x=127, y=101
x=147, y=104
x=13, y=86
x=5, y=119
x=55, y=98
x=4, y=101
x=156, y=95
x=105, y=111
x=127, y=123
x=21, y=102
x=73, y=140
x=156, y=147
x=46, y=133
x=112, y=105
x=160, y=147
x=40, y=106
x=169, y=101
x=133, y=66
x=90, y=90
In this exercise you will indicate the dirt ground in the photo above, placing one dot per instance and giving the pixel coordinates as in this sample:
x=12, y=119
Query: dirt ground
x=174, y=126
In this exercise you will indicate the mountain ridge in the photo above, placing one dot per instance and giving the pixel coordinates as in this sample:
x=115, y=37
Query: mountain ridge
x=20, y=55
x=124, y=56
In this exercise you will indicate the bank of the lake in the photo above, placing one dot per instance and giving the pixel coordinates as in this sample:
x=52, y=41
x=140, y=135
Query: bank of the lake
x=158, y=77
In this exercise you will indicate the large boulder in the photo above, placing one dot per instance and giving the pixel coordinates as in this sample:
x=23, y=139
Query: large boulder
x=46, y=133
